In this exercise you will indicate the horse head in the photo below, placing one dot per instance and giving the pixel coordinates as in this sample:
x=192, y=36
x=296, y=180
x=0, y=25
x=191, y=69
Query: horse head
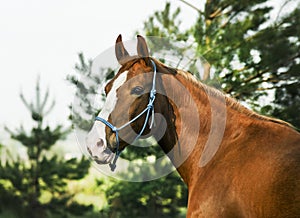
x=128, y=112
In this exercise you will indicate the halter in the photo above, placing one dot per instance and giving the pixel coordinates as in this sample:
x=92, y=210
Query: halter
x=149, y=109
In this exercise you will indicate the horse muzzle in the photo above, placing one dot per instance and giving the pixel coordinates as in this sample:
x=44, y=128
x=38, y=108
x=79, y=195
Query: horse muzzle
x=100, y=153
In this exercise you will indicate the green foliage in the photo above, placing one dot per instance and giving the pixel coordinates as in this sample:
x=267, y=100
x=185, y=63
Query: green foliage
x=251, y=56
x=280, y=51
x=165, y=24
x=287, y=102
x=164, y=197
x=25, y=180
x=86, y=89
x=84, y=67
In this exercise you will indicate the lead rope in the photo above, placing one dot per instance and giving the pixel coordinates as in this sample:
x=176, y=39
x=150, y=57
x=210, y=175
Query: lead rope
x=148, y=109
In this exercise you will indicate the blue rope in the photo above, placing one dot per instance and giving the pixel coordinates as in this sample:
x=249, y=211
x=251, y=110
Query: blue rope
x=148, y=109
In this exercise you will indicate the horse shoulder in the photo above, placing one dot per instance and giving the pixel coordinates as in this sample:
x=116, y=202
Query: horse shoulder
x=286, y=187
x=253, y=174
x=269, y=172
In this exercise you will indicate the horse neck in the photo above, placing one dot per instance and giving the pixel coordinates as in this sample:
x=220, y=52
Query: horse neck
x=188, y=123
x=203, y=117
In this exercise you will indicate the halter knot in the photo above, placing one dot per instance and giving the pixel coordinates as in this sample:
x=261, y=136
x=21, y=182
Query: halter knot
x=150, y=105
x=152, y=94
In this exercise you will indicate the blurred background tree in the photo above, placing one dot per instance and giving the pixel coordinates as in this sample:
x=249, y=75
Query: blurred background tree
x=37, y=181
x=252, y=58
x=164, y=197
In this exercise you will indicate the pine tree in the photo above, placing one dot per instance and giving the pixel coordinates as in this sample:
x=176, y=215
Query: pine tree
x=250, y=55
x=26, y=180
x=280, y=52
x=86, y=89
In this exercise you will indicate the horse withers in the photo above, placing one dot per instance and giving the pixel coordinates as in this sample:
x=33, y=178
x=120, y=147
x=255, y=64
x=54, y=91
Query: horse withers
x=235, y=162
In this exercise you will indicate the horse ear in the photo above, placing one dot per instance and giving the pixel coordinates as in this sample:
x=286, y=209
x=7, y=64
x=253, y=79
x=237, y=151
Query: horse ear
x=142, y=48
x=121, y=52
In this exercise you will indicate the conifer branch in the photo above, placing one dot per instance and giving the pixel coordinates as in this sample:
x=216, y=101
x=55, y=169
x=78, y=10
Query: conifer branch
x=38, y=96
x=45, y=99
x=193, y=7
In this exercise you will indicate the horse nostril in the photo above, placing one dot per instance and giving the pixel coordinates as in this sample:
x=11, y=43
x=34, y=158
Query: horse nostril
x=89, y=150
x=100, y=143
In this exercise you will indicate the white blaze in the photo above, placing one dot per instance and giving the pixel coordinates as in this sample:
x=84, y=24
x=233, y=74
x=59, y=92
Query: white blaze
x=97, y=133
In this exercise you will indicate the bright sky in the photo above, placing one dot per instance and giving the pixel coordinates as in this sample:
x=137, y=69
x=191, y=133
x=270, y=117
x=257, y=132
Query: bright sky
x=44, y=37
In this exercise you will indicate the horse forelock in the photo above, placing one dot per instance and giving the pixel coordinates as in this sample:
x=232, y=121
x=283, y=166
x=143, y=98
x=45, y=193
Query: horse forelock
x=143, y=61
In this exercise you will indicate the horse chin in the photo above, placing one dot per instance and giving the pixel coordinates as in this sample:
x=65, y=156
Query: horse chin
x=105, y=157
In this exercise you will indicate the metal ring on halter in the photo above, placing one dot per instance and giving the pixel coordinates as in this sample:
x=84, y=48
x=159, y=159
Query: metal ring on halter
x=148, y=109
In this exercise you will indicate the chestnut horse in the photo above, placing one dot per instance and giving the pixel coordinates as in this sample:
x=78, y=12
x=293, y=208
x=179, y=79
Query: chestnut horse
x=253, y=171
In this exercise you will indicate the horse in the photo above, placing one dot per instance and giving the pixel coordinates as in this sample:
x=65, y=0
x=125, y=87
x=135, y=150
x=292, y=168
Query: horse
x=253, y=171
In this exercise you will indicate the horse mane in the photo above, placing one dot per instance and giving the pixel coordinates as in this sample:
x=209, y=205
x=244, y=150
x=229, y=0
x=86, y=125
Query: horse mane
x=230, y=102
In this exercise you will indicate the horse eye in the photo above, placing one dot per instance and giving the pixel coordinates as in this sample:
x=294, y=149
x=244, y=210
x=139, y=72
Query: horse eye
x=138, y=90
